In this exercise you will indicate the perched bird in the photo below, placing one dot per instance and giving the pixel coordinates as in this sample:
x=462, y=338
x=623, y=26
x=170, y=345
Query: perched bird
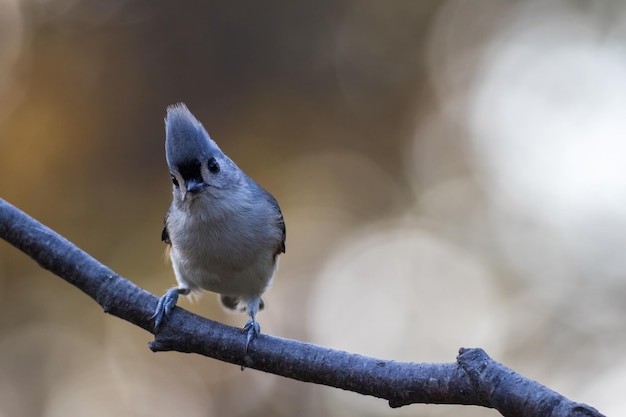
x=224, y=232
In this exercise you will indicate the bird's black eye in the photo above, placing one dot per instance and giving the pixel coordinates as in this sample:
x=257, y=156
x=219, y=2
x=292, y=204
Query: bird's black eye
x=214, y=167
x=174, y=180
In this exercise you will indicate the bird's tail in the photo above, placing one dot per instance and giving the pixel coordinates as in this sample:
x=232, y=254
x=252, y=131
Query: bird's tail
x=234, y=303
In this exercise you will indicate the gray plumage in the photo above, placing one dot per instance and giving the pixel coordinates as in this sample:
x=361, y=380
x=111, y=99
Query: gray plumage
x=225, y=232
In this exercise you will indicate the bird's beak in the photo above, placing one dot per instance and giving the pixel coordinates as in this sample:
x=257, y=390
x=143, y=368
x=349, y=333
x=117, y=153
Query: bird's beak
x=194, y=186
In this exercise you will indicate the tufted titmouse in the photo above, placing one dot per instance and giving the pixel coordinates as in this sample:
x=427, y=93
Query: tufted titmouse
x=224, y=232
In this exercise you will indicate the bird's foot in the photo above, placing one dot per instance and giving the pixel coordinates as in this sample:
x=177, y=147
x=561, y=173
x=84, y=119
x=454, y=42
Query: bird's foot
x=252, y=330
x=165, y=306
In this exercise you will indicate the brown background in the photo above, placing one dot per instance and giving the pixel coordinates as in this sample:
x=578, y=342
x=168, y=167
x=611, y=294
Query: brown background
x=449, y=172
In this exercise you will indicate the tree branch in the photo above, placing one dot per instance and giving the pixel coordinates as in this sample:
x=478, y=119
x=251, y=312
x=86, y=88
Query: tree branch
x=474, y=379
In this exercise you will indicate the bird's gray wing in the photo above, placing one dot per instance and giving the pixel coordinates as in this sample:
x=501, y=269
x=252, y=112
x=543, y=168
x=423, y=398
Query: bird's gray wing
x=280, y=222
x=165, y=236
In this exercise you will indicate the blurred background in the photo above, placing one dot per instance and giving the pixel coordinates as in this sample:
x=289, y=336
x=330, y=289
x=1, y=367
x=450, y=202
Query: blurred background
x=451, y=174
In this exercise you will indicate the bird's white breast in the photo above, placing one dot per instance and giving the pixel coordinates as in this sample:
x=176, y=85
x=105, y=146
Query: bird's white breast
x=232, y=253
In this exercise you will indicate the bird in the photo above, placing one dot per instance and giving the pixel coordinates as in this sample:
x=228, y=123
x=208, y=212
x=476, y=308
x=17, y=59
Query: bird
x=224, y=232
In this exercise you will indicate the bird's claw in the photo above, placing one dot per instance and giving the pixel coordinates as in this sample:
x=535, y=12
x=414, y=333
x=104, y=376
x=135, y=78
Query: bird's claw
x=252, y=330
x=164, y=307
